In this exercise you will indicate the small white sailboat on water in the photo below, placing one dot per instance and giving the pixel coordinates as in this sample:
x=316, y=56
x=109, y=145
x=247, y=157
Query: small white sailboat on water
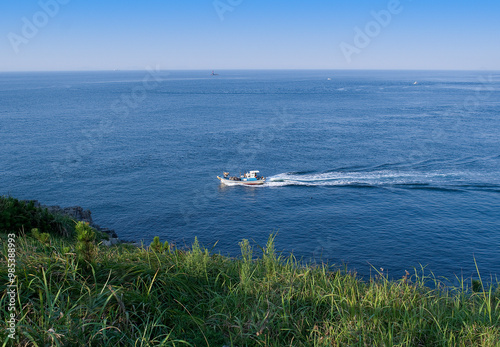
x=248, y=179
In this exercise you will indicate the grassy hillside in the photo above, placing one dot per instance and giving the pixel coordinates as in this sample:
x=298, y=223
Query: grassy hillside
x=72, y=291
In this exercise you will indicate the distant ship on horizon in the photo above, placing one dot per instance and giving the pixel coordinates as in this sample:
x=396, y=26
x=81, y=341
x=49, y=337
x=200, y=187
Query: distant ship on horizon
x=214, y=74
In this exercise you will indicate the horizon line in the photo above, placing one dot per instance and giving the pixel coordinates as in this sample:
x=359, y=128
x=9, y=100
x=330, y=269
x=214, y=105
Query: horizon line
x=247, y=69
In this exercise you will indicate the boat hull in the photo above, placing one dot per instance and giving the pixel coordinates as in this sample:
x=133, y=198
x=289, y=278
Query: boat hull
x=243, y=182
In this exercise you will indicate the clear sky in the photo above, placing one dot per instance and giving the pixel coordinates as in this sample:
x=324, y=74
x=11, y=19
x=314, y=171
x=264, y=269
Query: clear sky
x=249, y=34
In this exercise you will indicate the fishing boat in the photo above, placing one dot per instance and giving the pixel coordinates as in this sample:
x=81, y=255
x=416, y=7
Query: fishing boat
x=251, y=178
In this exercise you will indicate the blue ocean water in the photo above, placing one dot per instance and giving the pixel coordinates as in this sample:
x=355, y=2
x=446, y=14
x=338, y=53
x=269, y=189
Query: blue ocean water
x=365, y=168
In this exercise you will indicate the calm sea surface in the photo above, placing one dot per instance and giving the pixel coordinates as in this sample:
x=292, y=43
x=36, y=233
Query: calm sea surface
x=363, y=167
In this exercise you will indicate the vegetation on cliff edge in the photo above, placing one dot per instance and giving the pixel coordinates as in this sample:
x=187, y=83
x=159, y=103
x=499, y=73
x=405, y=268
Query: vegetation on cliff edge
x=164, y=296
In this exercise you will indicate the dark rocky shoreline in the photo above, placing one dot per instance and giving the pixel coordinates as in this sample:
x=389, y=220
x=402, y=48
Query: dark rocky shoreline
x=79, y=214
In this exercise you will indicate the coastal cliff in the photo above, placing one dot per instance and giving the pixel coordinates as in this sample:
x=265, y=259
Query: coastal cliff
x=79, y=214
x=76, y=213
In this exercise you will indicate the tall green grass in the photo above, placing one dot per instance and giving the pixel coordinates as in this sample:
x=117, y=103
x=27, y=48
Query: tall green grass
x=163, y=296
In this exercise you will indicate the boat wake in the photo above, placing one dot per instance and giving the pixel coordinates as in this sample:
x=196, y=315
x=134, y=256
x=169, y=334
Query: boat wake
x=436, y=180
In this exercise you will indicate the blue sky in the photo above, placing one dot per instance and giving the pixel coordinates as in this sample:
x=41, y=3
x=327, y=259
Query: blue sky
x=249, y=34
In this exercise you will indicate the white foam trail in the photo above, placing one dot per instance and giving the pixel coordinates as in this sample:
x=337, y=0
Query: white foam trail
x=375, y=178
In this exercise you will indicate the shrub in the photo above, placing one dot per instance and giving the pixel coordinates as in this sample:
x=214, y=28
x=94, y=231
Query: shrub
x=197, y=259
x=269, y=256
x=85, y=246
x=42, y=237
x=16, y=215
x=245, y=271
x=156, y=244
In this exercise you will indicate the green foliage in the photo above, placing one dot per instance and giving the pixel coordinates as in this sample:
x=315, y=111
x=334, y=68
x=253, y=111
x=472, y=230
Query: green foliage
x=245, y=271
x=269, y=256
x=477, y=286
x=158, y=247
x=139, y=297
x=84, y=232
x=85, y=246
x=42, y=237
x=197, y=259
x=17, y=215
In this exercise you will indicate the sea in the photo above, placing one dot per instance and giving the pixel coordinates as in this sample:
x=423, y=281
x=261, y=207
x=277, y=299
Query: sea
x=379, y=172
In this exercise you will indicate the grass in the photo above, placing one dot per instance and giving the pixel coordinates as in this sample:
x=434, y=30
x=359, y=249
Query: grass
x=163, y=296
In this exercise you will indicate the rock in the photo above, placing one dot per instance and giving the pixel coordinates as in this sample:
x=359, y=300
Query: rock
x=111, y=242
x=110, y=232
x=77, y=213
